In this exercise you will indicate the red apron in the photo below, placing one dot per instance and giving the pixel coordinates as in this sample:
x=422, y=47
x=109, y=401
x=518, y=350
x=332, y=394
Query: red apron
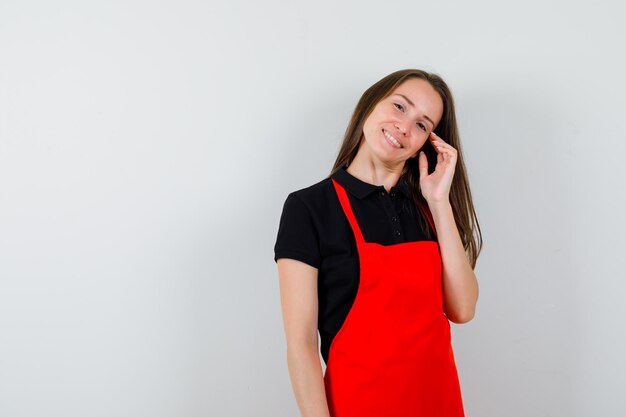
x=392, y=357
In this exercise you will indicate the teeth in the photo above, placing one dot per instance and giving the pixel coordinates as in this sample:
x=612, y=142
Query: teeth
x=391, y=138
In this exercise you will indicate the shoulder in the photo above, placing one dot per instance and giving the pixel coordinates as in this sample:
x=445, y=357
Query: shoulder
x=304, y=223
x=315, y=198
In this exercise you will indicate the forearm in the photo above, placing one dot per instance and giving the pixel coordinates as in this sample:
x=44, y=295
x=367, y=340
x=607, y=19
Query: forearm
x=460, y=287
x=307, y=380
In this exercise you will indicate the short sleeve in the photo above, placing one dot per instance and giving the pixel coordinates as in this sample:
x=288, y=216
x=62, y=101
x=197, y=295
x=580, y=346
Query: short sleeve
x=297, y=236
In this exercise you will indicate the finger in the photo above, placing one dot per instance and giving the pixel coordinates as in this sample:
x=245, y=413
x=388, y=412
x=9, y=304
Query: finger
x=438, y=139
x=447, y=149
x=422, y=162
x=440, y=142
x=435, y=137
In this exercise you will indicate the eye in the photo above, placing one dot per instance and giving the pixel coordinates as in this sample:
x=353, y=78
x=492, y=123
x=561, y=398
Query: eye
x=399, y=106
x=421, y=125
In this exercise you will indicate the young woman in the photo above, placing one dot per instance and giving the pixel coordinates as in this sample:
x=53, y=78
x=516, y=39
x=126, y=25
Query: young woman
x=378, y=257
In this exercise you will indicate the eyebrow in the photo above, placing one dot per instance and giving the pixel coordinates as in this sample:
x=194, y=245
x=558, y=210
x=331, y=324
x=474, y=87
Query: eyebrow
x=413, y=105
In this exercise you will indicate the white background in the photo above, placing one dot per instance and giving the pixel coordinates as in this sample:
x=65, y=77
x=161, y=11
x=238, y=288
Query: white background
x=146, y=149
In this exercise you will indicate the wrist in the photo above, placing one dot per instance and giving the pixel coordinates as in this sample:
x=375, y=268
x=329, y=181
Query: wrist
x=440, y=205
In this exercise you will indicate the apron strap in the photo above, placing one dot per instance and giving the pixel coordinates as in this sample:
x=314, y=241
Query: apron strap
x=429, y=217
x=347, y=209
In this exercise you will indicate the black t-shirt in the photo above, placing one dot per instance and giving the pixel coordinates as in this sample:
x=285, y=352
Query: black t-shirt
x=314, y=229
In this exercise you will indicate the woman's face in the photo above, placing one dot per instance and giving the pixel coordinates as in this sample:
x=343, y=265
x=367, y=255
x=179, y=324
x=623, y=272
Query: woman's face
x=400, y=124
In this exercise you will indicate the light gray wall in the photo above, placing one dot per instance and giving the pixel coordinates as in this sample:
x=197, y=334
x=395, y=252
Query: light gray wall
x=146, y=149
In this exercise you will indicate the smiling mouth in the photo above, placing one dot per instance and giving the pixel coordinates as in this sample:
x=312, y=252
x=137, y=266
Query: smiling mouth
x=392, y=139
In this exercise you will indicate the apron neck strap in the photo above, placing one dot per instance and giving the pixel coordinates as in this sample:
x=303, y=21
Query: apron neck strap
x=429, y=217
x=347, y=209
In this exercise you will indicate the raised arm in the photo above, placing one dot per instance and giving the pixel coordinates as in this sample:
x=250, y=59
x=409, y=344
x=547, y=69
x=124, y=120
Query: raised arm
x=299, y=304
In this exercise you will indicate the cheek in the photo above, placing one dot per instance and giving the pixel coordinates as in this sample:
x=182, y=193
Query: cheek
x=366, y=130
x=371, y=128
x=421, y=140
x=373, y=137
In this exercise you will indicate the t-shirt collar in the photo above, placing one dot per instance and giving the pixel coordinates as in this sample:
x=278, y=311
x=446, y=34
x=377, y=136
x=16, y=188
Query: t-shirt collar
x=361, y=189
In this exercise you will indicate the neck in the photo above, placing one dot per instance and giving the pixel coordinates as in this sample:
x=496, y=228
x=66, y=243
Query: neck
x=374, y=171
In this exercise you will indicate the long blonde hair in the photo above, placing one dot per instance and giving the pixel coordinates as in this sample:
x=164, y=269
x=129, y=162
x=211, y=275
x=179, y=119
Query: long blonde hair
x=460, y=194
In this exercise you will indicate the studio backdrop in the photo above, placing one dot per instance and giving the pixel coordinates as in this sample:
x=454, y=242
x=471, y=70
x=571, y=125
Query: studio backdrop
x=147, y=148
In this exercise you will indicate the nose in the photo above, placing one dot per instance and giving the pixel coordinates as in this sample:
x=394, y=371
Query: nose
x=401, y=125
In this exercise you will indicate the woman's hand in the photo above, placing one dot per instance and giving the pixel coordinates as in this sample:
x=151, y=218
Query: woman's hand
x=436, y=187
x=459, y=283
